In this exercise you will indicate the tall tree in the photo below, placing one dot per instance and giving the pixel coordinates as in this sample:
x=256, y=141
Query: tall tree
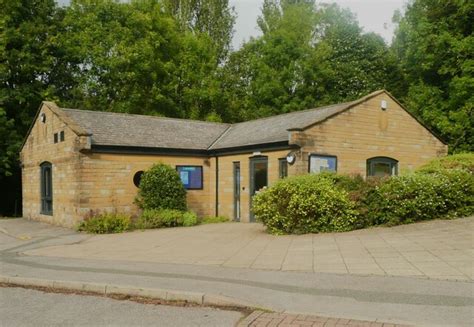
x=307, y=56
x=360, y=61
x=122, y=56
x=27, y=58
x=215, y=18
x=434, y=44
x=135, y=58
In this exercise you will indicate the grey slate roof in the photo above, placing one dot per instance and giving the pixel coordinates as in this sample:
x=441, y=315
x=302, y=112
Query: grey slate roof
x=275, y=128
x=118, y=129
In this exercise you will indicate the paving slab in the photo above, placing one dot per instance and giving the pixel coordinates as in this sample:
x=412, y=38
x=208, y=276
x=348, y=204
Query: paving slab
x=424, y=249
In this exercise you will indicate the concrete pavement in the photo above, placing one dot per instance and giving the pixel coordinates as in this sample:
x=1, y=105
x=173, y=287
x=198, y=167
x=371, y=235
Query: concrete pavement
x=396, y=299
x=438, y=249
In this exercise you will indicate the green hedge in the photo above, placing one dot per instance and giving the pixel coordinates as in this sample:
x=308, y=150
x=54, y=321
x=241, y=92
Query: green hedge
x=106, y=223
x=457, y=161
x=304, y=204
x=161, y=188
x=421, y=196
x=160, y=218
x=358, y=190
x=328, y=202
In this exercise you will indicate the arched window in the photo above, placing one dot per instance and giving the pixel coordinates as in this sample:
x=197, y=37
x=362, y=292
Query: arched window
x=46, y=181
x=382, y=166
x=137, y=178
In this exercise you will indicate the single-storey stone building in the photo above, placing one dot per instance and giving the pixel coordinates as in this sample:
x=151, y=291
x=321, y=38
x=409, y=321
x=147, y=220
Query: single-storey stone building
x=78, y=161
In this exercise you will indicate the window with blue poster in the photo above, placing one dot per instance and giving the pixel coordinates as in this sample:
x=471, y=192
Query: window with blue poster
x=319, y=163
x=191, y=177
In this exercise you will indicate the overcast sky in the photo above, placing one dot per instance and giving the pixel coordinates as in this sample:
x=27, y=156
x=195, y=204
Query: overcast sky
x=373, y=15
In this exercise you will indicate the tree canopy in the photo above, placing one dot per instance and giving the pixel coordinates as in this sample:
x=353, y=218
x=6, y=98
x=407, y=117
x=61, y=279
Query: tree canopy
x=434, y=46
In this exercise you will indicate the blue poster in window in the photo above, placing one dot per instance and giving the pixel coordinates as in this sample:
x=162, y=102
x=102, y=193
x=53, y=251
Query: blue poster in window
x=191, y=176
x=319, y=163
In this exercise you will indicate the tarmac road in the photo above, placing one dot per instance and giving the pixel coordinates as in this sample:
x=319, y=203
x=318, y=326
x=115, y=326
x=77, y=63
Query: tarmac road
x=27, y=307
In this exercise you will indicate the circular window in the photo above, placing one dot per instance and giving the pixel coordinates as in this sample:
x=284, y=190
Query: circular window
x=137, y=178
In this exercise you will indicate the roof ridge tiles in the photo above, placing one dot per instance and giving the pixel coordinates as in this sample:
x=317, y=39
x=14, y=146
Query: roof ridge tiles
x=147, y=116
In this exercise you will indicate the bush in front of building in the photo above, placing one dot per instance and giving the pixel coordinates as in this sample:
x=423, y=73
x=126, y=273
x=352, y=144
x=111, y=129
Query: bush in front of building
x=358, y=190
x=422, y=196
x=456, y=161
x=305, y=204
x=161, y=188
x=331, y=202
x=190, y=219
x=161, y=218
x=106, y=223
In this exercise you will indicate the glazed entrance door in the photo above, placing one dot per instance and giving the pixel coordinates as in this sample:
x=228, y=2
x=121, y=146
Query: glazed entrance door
x=258, y=178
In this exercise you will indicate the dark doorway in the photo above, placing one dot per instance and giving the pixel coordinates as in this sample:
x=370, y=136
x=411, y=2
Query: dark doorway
x=237, y=191
x=258, y=178
x=46, y=189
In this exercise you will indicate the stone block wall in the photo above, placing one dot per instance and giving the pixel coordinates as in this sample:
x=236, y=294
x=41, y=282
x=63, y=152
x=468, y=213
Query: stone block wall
x=107, y=182
x=367, y=131
x=65, y=159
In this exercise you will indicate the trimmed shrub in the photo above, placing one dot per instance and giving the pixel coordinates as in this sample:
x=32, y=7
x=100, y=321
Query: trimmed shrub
x=161, y=188
x=150, y=218
x=160, y=218
x=214, y=220
x=304, y=204
x=358, y=189
x=105, y=223
x=347, y=182
x=190, y=219
x=171, y=217
x=456, y=161
x=422, y=196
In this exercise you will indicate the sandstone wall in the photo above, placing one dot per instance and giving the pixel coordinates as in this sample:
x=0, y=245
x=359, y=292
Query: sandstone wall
x=367, y=131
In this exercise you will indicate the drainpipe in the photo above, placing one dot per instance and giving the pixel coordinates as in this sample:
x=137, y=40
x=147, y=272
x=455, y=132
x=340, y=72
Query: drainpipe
x=217, y=186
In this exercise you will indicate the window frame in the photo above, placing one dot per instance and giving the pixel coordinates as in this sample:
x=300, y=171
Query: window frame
x=202, y=176
x=381, y=159
x=61, y=136
x=280, y=170
x=321, y=155
x=46, y=193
